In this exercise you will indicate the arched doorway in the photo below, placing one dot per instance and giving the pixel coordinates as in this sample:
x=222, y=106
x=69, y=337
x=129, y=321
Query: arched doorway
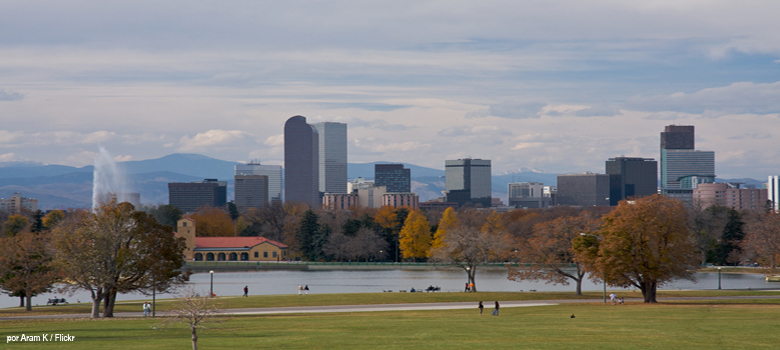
x=233, y=257
x=210, y=257
x=198, y=257
x=221, y=257
x=244, y=256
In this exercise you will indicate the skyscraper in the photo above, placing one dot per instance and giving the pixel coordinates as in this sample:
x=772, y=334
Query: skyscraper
x=631, y=177
x=332, y=157
x=274, y=173
x=679, y=160
x=773, y=191
x=301, y=162
x=397, y=178
x=585, y=190
x=468, y=181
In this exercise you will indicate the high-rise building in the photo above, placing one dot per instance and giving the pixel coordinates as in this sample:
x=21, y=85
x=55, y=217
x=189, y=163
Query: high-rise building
x=16, y=204
x=332, y=157
x=631, y=178
x=274, y=174
x=679, y=160
x=397, y=178
x=301, y=162
x=773, y=191
x=468, y=181
x=251, y=191
x=585, y=190
x=528, y=195
x=191, y=196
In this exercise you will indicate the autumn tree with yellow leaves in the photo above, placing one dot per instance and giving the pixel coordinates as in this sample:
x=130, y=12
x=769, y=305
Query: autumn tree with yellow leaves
x=415, y=236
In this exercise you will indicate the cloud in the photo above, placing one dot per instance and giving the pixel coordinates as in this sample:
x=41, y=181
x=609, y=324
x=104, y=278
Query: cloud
x=10, y=96
x=602, y=110
x=737, y=98
x=8, y=157
x=211, y=138
x=756, y=136
x=275, y=140
x=123, y=158
x=517, y=110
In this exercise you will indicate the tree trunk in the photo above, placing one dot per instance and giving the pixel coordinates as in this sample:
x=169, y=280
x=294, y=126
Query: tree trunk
x=194, y=338
x=21, y=301
x=97, y=297
x=28, y=296
x=472, y=279
x=649, y=291
x=578, y=291
x=108, y=305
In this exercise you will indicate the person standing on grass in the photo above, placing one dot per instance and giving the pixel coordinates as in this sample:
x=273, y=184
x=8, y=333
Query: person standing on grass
x=612, y=298
x=246, y=291
x=495, y=311
x=481, y=307
x=300, y=289
x=306, y=290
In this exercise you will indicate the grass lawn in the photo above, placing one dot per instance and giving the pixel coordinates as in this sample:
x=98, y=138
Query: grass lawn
x=287, y=300
x=596, y=326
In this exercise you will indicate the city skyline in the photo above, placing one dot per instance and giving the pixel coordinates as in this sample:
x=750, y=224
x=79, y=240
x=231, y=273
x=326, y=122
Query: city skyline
x=558, y=87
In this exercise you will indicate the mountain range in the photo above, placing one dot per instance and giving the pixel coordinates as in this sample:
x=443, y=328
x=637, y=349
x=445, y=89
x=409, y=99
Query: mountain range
x=61, y=186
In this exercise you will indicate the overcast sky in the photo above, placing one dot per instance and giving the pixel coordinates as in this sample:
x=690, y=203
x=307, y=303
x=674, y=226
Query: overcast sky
x=557, y=86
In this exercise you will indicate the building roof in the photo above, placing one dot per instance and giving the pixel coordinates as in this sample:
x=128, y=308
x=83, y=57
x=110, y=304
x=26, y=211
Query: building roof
x=234, y=242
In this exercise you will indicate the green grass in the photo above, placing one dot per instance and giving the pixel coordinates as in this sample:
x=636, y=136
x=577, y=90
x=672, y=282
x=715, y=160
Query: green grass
x=261, y=301
x=630, y=326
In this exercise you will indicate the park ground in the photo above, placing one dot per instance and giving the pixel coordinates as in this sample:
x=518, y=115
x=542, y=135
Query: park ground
x=698, y=321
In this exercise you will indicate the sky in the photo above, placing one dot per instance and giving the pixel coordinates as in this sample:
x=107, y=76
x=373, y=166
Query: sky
x=554, y=86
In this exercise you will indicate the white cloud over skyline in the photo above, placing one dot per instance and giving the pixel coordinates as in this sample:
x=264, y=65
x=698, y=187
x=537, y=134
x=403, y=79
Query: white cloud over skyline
x=558, y=86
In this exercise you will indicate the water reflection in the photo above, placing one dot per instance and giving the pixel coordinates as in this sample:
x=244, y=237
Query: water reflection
x=351, y=281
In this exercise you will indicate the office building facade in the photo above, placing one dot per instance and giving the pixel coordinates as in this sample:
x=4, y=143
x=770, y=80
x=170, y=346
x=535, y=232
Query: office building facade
x=584, y=190
x=468, y=181
x=730, y=195
x=681, y=163
x=332, y=157
x=190, y=196
x=395, y=177
x=251, y=191
x=529, y=195
x=301, y=162
x=17, y=204
x=274, y=174
x=631, y=178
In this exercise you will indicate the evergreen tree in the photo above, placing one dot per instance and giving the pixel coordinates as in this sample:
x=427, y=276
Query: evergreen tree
x=728, y=250
x=309, y=236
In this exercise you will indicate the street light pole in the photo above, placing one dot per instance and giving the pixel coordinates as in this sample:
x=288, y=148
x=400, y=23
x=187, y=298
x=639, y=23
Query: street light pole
x=211, y=293
x=718, y=277
x=605, y=269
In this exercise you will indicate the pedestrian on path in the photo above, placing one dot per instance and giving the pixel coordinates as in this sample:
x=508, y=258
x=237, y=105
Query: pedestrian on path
x=300, y=289
x=495, y=311
x=612, y=298
x=306, y=290
x=481, y=307
x=147, y=308
x=246, y=291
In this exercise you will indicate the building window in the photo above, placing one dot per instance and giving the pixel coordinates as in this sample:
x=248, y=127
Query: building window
x=198, y=257
x=274, y=254
x=210, y=257
x=221, y=256
x=265, y=254
x=244, y=256
x=233, y=257
x=257, y=255
x=184, y=224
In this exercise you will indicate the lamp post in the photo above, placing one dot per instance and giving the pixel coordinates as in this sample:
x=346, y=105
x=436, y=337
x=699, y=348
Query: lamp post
x=605, y=269
x=718, y=277
x=382, y=256
x=211, y=293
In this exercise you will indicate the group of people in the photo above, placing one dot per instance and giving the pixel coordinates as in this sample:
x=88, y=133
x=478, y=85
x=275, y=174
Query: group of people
x=615, y=299
x=302, y=289
x=494, y=313
x=469, y=287
x=147, y=309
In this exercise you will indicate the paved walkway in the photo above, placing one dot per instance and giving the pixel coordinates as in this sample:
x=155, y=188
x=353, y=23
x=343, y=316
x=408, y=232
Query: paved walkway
x=394, y=307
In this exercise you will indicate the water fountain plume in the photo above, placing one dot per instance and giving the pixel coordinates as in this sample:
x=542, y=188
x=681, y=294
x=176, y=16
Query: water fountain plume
x=108, y=181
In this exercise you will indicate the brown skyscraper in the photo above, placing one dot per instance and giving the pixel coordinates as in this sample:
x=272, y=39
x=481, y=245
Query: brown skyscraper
x=301, y=162
x=677, y=137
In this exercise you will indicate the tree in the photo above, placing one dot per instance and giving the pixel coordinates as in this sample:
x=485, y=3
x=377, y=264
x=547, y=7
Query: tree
x=729, y=251
x=645, y=243
x=415, y=236
x=115, y=249
x=364, y=244
x=166, y=214
x=470, y=244
x=52, y=219
x=547, y=254
x=195, y=311
x=706, y=225
x=213, y=222
x=762, y=239
x=310, y=236
x=14, y=225
x=26, y=268
x=449, y=221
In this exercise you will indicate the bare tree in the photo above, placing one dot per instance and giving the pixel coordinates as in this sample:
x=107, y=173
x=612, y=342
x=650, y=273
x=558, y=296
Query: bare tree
x=762, y=239
x=706, y=225
x=195, y=311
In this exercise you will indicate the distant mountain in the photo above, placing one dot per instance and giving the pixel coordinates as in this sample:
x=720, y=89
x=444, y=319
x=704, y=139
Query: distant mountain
x=366, y=170
x=183, y=163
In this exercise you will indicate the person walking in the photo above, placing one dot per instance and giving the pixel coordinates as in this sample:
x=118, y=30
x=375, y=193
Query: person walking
x=612, y=298
x=306, y=290
x=467, y=287
x=146, y=309
x=481, y=307
x=495, y=311
x=300, y=289
x=246, y=291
